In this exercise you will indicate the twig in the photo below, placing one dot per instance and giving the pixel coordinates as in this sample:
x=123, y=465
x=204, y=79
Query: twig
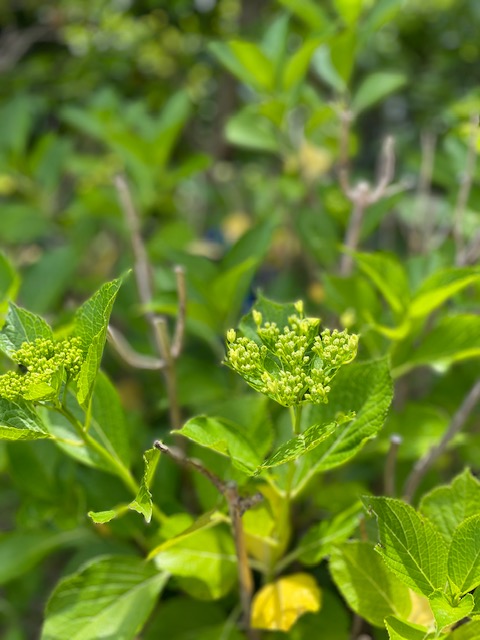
x=390, y=465
x=14, y=43
x=363, y=194
x=428, y=143
x=465, y=187
x=423, y=464
x=129, y=355
x=237, y=506
x=168, y=349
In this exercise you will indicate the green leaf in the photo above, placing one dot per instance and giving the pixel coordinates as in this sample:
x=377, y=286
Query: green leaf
x=323, y=66
x=301, y=444
x=182, y=618
x=389, y=276
x=323, y=536
x=410, y=545
x=258, y=67
x=453, y=339
x=22, y=326
x=91, y=323
x=9, y=283
x=309, y=11
x=102, y=517
x=19, y=421
x=248, y=128
x=246, y=61
x=369, y=588
x=445, y=613
x=273, y=311
x=349, y=10
x=448, y=506
x=225, y=438
x=110, y=597
x=469, y=631
x=21, y=551
x=376, y=87
x=204, y=560
x=439, y=287
x=402, y=630
x=464, y=555
x=108, y=424
x=143, y=502
x=363, y=387
x=297, y=65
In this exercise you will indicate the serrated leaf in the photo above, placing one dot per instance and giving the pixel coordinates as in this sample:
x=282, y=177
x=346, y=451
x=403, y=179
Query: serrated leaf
x=376, y=87
x=439, y=287
x=22, y=326
x=445, y=613
x=19, y=421
x=301, y=444
x=225, y=438
x=369, y=588
x=402, y=630
x=410, y=545
x=323, y=536
x=143, y=502
x=464, y=555
x=363, y=387
x=448, y=506
x=275, y=312
x=110, y=597
x=91, y=323
x=278, y=605
x=388, y=275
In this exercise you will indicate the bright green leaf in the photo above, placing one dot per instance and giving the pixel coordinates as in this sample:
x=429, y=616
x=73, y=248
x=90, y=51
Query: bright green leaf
x=448, y=506
x=369, y=588
x=402, y=630
x=445, y=613
x=439, y=287
x=102, y=517
x=376, y=87
x=247, y=128
x=9, y=283
x=469, y=631
x=366, y=389
x=91, y=323
x=309, y=11
x=297, y=66
x=410, y=545
x=349, y=10
x=205, y=561
x=22, y=326
x=323, y=536
x=225, y=438
x=257, y=68
x=110, y=597
x=464, y=555
x=19, y=421
x=301, y=444
x=143, y=501
x=389, y=276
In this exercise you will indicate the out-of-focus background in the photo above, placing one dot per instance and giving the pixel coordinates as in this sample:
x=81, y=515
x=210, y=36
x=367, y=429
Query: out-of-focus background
x=226, y=119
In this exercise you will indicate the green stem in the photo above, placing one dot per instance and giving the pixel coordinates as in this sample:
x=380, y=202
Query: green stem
x=117, y=465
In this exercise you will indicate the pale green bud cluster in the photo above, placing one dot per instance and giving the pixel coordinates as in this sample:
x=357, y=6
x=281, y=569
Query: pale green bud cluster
x=39, y=363
x=293, y=365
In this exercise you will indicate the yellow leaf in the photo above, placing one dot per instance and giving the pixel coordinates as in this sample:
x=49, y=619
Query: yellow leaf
x=278, y=605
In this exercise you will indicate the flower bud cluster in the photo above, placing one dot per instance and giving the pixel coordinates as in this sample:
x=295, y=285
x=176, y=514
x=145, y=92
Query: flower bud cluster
x=293, y=365
x=39, y=362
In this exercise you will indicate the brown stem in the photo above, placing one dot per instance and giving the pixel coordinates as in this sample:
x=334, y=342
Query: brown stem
x=423, y=464
x=352, y=236
x=237, y=506
x=161, y=332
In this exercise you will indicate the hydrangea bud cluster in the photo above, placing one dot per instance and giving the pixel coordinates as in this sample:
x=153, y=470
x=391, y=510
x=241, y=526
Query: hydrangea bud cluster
x=39, y=361
x=293, y=365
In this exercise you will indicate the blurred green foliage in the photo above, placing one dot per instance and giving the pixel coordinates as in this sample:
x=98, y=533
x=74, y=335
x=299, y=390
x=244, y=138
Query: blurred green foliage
x=226, y=116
